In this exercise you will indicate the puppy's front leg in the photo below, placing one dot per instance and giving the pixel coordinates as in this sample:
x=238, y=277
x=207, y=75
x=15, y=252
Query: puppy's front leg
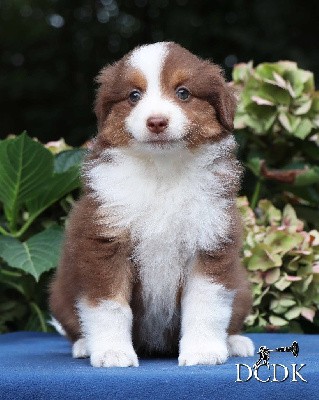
x=107, y=328
x=206, y=311
x=106, y=320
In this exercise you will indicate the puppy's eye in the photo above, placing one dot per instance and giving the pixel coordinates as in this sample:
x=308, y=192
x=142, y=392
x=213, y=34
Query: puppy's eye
x=135, y=96
x=182, y=93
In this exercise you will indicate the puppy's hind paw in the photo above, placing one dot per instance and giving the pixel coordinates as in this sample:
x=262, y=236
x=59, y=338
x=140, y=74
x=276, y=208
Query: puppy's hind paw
x=114, y=358
x=79, y=349
x=240, y=346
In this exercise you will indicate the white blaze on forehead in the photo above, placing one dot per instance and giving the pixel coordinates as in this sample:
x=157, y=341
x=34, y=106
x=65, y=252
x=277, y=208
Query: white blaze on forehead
x=149, y=61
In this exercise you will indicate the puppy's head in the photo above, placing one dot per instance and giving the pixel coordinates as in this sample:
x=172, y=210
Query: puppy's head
x=160, y=95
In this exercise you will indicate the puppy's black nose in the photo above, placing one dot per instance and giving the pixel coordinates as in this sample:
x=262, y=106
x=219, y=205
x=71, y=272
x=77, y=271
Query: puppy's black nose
x=157, y=123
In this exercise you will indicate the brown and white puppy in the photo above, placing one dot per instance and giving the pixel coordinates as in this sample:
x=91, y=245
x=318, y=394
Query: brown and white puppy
x=151, y=256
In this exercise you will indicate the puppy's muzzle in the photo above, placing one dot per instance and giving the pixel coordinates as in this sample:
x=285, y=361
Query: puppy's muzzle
x=157, y=124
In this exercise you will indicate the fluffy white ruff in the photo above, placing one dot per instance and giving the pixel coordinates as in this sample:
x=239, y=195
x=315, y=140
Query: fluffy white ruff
x=107, y=332
x=174, y=203
x=149, y=61
x=206, y=313
x=240, y=346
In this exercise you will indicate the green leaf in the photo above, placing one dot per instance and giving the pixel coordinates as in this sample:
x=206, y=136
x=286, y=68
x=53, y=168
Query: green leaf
x=242, y=71
x=254, y=164
x=284, y=120
x=289, y=122
x=293, y=313
x=301, y=81
x=258, y=299
x=38, y=254
x=271, y=213
x=304, y=284
x=308, y=177
x=303, y=108
x=57, y=187
x=266, y=70
x=279, y=309
x=241, y=121
x=287, y=302
x=67, y=159
x=277, y=321
x=288, y=65
x=303, y=129
x=259, y=117
x=25, y=166
x=289, y=218
x=272, y=276
x=282, y=241
x=262, y=259
x=275, y=94
x=282, y=284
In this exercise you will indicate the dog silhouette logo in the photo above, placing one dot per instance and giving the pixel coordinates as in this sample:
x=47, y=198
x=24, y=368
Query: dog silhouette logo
x=264, y=353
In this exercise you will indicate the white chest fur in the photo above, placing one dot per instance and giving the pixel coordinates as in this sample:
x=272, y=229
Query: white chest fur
x=174, y=204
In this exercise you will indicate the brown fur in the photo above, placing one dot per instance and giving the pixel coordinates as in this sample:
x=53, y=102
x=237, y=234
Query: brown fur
x=96, y=260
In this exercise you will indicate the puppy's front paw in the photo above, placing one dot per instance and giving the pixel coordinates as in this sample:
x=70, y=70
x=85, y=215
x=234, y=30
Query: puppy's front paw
x=79, y=349
x=114, y=358
x=211, y=354
x=240, y=346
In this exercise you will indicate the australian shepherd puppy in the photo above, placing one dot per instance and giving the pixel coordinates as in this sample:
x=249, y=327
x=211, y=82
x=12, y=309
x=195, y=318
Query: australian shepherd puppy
x=151, y=256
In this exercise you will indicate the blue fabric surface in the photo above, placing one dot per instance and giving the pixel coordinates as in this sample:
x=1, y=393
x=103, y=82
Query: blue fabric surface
x=40, y=366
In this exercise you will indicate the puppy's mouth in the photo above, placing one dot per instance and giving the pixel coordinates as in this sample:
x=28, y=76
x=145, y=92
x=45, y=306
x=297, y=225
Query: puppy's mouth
x=161, y=140
x=162, y=143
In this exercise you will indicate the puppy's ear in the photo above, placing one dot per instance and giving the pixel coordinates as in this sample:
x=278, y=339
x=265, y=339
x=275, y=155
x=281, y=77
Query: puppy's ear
x=105, y=93
x=225, y=104
x=223, y=99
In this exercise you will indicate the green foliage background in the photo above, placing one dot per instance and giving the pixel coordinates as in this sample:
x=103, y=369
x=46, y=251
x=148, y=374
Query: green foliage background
x=277, y=125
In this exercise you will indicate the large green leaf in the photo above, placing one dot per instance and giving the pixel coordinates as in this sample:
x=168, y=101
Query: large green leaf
x=38, y=254
x=57, y=187
x=65, y=179
x=25, y=166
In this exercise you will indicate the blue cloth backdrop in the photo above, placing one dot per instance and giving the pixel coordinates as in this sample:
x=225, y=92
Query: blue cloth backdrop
x=40, y=366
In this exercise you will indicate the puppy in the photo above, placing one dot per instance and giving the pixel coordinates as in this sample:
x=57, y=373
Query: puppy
x=151, y=256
